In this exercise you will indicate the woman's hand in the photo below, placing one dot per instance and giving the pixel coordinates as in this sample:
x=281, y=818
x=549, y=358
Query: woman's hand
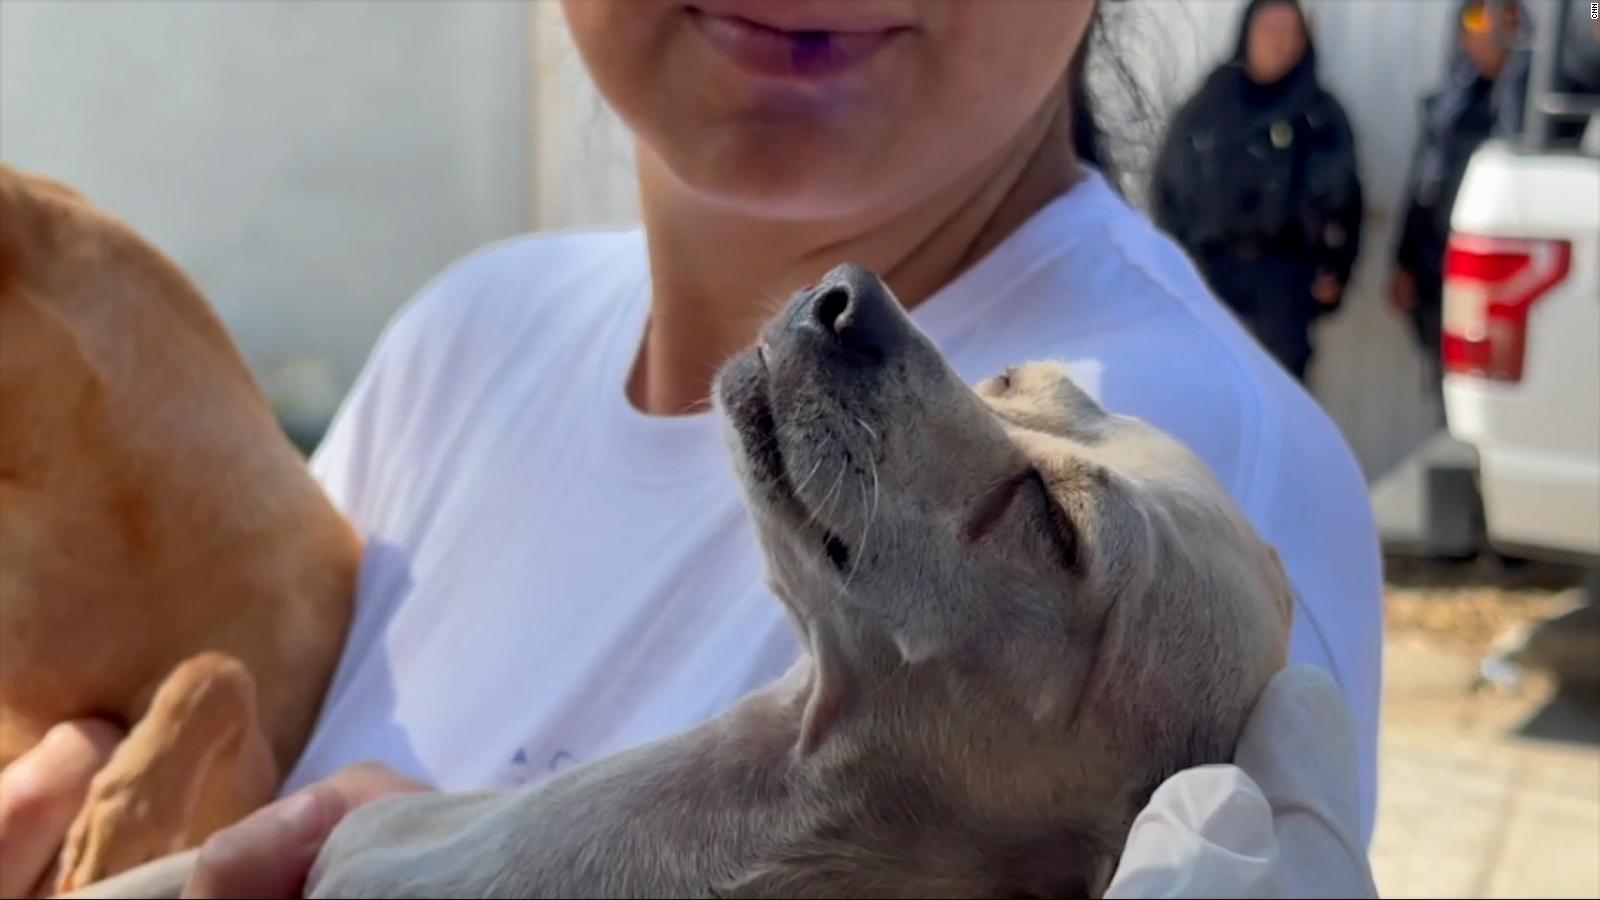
x=41, y=792
x=269, y=853
x=1282, y=821
x=1403, y=291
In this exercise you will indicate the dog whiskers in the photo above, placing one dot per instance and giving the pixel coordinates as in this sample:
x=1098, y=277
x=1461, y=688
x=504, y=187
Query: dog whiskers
x=867, y=428
x=816, y=513
x=872, y=514
x=774, y=304
x=807, y=480
x=766, y=442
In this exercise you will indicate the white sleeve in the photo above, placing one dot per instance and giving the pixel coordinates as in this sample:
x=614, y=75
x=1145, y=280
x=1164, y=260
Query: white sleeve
x=1320, y=520
x=343, y=461
x=373, y=437
x=1283, y=821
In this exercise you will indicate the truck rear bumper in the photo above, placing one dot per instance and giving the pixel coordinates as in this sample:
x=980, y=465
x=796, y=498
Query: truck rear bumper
x=1541, y=501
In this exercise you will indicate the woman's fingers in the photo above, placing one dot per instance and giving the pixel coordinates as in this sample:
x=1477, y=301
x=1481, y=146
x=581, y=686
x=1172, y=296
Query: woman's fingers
x=364, y=782
x=269, y=853
x=40, y=794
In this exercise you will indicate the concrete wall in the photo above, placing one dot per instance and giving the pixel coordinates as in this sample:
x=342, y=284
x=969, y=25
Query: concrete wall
x=313, y=164
x=309, y=164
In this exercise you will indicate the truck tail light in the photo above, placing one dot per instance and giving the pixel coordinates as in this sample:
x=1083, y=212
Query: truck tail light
x=1490, y=285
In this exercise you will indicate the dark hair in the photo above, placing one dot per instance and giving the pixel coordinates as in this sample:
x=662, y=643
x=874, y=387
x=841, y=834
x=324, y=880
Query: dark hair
x=1091, y=138
x=1088, y=141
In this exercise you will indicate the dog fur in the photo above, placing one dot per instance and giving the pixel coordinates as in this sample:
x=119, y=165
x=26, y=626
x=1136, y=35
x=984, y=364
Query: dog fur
x=1022, y=614
x=168, y=561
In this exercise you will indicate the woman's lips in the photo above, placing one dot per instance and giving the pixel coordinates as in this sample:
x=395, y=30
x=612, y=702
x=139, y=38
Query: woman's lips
x=791, y=55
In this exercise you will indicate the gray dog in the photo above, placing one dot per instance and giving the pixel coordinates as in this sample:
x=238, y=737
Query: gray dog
x=1023, y=614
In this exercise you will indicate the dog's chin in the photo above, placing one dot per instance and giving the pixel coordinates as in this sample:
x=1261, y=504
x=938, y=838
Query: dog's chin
x=745, y=400
x=743, y=393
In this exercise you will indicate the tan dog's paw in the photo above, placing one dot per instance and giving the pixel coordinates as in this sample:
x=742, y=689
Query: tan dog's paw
x=113, y=833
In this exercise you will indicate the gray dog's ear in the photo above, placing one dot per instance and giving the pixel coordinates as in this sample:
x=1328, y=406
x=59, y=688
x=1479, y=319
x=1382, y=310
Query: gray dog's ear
x=832, y=687
x=1079, y=681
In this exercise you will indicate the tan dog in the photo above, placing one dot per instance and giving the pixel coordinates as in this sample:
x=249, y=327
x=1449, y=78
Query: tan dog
x=1023, y=614
x=166, y=560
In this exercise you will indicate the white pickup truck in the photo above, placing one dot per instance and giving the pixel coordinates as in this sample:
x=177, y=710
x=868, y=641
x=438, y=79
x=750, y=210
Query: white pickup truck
x=1522, y=346
x=1518, y=471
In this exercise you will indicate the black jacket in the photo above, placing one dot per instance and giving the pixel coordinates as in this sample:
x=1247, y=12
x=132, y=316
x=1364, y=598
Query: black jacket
x=1425, y=226
x=1250, y=172
x=1453, y=122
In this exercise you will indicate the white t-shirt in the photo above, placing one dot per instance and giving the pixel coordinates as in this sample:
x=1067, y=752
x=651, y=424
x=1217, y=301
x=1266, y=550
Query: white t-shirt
x=553, y=576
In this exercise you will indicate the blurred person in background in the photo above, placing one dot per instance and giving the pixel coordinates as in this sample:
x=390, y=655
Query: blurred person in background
x=1483, y=95
x=1578, y=71
x=1258, y=180
x=560, y=563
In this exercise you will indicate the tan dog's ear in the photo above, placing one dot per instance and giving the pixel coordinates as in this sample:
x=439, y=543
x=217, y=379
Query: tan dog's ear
x=46, y=382
x=30, y=207
x=13, y=213
x=833, y=684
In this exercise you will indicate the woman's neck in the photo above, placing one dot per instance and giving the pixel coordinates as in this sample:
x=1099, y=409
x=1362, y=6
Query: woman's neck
x=717, y=276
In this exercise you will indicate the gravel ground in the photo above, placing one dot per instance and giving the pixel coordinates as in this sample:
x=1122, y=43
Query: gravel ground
x=1466, y=606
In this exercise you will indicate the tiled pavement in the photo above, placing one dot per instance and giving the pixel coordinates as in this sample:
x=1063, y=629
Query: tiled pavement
x=1475, y=800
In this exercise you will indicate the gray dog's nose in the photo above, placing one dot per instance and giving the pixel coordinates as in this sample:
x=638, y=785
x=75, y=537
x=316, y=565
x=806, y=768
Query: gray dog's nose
x=853, y=307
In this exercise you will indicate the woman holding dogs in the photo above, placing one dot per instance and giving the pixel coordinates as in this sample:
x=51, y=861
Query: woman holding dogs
x=559, y=563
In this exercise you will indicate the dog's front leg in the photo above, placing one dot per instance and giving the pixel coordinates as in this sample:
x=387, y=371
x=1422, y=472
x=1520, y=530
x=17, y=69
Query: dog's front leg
x=196, y=762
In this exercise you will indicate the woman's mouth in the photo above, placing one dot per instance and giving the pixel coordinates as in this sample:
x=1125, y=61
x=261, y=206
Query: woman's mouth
x=808, y=55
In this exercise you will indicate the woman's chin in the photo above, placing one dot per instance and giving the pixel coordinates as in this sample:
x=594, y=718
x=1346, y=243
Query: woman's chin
x=784, y=183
